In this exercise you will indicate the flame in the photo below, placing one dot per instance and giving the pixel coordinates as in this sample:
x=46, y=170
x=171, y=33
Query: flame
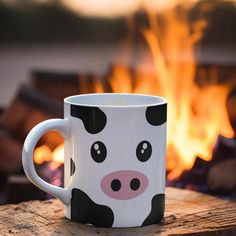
x=44, y=154
x=57, y=156
x=196, y=114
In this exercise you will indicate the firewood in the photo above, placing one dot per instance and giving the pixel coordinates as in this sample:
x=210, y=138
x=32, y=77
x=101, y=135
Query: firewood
x=59, y=85
x=187, y=212
x=194, y=178
x=231, y=108
x=27, y=109
x=10, y=154
x=225, y=148
x=222, y=176
x=56, y=85
x=207, y=74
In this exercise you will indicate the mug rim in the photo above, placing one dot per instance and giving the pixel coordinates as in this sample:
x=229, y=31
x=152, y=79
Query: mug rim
x=159, y=100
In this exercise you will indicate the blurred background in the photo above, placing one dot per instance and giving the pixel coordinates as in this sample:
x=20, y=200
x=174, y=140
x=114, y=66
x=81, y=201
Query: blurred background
x=73, y=36
x=183, y=50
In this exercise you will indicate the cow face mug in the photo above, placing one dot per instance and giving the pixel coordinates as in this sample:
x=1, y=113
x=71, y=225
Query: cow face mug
x=115, y=154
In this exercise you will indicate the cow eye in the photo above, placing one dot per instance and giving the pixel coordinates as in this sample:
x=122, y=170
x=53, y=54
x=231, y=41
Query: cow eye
x=144, y=151
x=98, y=151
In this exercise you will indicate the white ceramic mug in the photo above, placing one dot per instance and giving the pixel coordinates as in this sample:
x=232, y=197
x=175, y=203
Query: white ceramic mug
x=115, y=153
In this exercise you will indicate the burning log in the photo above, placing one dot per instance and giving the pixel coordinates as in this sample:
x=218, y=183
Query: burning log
x=28, y=108
x=231, y=107
x=221, y=177
x=208, y=74
x=10, y=154
x=187, y=213
x=49, y=83
x=225, y=148
x=193, y=179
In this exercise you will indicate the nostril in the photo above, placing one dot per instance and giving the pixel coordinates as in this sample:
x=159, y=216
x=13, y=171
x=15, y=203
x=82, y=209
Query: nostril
x=135, y=184
x=115, y=185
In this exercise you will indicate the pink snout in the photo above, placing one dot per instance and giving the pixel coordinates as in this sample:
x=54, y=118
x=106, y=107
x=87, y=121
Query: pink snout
x=124, y=184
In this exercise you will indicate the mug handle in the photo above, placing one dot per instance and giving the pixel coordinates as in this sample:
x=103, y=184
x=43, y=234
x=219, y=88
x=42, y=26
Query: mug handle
x=61, y=125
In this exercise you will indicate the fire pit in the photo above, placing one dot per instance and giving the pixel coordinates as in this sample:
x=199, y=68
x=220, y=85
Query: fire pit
x=166, y=53
x=201, y=101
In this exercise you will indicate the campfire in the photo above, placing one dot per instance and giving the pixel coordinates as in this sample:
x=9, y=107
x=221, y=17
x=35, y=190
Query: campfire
x=196, y=113
x=198, y=116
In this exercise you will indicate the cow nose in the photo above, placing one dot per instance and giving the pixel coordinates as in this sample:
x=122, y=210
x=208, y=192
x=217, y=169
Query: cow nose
x=124, y=184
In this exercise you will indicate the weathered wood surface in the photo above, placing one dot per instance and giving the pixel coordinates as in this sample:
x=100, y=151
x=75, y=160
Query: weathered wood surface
x=187, y=213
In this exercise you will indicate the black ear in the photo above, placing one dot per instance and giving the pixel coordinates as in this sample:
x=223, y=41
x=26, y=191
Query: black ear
x=93, y=118
x=156, y=115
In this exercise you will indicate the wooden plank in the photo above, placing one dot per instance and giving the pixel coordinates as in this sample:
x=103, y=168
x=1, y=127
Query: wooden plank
x=187, y=213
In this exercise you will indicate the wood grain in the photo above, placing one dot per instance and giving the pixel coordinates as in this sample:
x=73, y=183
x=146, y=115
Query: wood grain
x=187, y=213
